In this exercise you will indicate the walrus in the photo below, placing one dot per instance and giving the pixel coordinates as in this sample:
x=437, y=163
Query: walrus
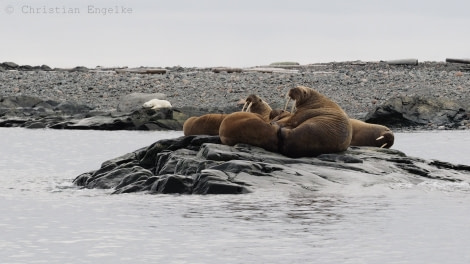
x=365, y=134
x=203, y=125
x=209, y=124
x=249, y=128
x=259, y=106
x=317, y=126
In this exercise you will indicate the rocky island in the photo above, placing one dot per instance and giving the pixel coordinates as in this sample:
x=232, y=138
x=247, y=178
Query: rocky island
x=201, y=165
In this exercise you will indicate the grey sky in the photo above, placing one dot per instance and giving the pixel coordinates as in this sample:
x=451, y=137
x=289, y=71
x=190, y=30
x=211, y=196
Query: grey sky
x=231, y=33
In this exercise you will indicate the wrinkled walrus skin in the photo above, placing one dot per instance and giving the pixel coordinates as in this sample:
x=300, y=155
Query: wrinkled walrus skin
x=317, y=126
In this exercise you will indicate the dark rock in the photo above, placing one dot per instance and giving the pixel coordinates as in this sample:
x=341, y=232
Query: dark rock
x=9, y=65
x=26, y=68
x=45, y=68
x=36, y=125
x=167, y=184
x=19, y=101
x=418, y=110
x=72, y=108
x=199, y=165
x=80, y=69
x=120, y=176
x=143, y=119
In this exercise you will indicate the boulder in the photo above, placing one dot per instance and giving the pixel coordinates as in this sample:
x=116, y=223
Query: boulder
x=134, y=101
x=143, y=119
x=32, y=112
x=19, y=101
x=418, y=110
x=9, y=65
x=72, y=108
x=45, y=68
x=26, y=68
x=201, y=165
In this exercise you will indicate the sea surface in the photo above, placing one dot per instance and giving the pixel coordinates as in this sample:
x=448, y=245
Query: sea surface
x=45, y=219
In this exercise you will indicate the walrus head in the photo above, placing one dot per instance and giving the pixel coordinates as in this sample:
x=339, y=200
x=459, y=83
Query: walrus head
x=386, y=139
x=255, y=104
x=305, y=97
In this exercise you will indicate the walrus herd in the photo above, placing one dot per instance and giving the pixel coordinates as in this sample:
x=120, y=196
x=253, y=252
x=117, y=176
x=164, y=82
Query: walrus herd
x=315, y=125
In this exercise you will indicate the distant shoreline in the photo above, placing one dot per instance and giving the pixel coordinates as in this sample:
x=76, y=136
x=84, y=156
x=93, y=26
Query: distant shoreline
x=8, y=65
x=357, y=86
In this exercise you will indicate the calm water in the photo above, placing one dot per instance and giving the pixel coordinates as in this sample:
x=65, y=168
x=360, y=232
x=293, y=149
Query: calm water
x=45, y=219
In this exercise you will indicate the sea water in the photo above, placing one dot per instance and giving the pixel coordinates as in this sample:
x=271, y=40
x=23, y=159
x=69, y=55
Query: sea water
x=44, y=218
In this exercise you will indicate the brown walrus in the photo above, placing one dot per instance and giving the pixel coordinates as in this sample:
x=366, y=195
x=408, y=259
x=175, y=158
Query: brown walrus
x=237, y=127
x=209, y=124
x=249, y=128
x=317, y=126
x=203, y=125
x=365, y=134
x=259, y=106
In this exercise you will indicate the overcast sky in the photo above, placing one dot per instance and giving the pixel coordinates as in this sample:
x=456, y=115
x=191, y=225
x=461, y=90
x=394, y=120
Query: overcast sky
x=230, y=33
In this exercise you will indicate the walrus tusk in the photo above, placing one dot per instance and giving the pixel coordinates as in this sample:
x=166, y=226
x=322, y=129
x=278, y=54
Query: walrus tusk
x=379, y=138
x=249, y=107
x=293, y=107
x=383, y=145
x=287, y=103
x=244, y=105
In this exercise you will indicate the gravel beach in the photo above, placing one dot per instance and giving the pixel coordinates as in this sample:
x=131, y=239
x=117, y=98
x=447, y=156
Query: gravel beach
x=356, y=86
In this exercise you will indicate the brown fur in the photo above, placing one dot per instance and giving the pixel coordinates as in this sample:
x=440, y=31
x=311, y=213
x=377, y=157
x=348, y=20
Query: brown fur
x=258, y=106
x=318, y=125
x=249, y=128
x=365, y=134
x=278, y=114
x=203, y=125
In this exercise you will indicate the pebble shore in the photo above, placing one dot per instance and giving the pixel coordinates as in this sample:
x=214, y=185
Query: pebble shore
x=357, y=86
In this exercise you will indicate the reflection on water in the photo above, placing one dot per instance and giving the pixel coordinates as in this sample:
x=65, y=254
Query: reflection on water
x=45, y=219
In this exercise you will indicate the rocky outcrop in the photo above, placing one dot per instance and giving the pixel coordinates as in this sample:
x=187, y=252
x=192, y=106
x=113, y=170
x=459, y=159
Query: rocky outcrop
x=434, y=112
x=201, y=165
x=32, y=112
x=7, y=66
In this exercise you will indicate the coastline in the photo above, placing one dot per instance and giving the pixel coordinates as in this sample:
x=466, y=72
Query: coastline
x=358, y=87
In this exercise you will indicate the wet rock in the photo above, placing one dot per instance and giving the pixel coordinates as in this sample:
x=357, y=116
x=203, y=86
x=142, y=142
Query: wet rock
x=201, y=165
